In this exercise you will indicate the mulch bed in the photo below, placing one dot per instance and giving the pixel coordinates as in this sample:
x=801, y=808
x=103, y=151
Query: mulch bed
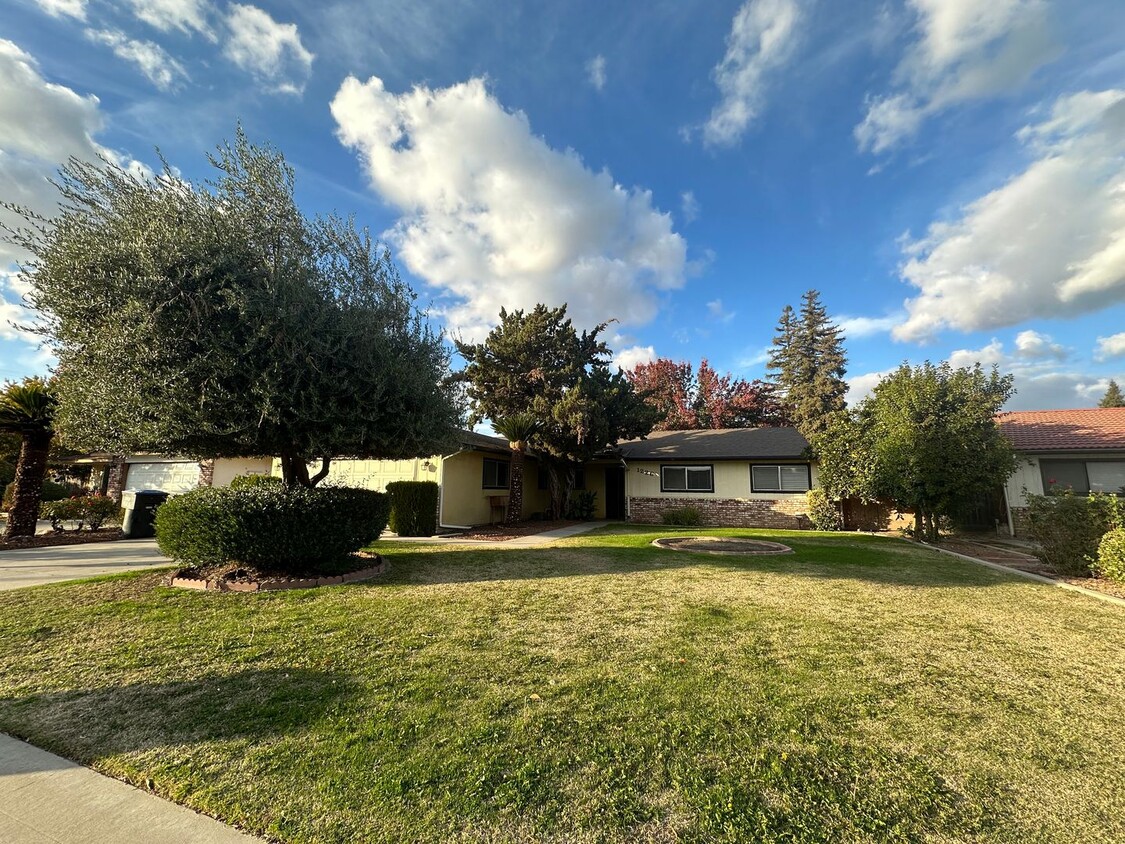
x=70, y=537
x=502, y=533
x=233, y=577
x=1026, y=562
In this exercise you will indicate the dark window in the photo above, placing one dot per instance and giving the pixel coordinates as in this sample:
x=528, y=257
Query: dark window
x=579, y=478
x=780, y=478
x=495, y=474
x=1083, y=476
x=687, y=479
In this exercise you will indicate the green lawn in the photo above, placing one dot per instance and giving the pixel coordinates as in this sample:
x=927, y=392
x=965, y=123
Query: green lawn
x=862, y=689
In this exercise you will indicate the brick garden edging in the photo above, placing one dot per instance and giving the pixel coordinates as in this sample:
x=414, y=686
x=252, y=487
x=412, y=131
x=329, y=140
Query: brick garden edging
x=276, y=584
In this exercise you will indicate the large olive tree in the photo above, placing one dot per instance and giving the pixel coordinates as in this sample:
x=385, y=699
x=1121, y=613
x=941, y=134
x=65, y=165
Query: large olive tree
x=216, y=319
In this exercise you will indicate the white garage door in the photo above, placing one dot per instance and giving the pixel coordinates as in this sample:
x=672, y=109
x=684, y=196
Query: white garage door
x=167, y=477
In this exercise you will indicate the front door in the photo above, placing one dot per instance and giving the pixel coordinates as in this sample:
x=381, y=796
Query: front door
x=614, y=492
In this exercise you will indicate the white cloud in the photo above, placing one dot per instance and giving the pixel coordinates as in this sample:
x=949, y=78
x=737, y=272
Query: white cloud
x=1040, y=382
x=186, y=16
x=962, y=50
x=162, y=70
x=1110, y=347
x=271, y=51
x=689, y=207
x=717, y=311
x=595, y=71
x=762, y=37
x=861, y=326
x=1031, y=345
x=1048, y=243
x=64, y=8
x=12, y=311
x=492, y=216
x=861, y=386
x=634, y=356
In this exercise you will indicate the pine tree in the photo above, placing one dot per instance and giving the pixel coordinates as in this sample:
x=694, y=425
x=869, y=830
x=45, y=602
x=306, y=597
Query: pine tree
x=809, y=364
x=1113, y=396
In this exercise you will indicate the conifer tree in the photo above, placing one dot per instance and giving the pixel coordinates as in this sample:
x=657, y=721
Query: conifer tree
x=808, y=364
x=1113, y=396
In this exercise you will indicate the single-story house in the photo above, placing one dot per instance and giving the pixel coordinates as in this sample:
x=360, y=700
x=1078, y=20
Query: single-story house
x=1083, y=450
x=112, y=474
x=736, y=477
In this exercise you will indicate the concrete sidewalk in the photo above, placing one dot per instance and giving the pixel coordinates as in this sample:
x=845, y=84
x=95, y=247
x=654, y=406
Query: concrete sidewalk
x=45, y=799
x=21, y=567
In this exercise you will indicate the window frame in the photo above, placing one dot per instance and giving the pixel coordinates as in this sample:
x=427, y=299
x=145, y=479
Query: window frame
x=1049, y=465
x=779, y=491
x=507, y=464
x=710, y=467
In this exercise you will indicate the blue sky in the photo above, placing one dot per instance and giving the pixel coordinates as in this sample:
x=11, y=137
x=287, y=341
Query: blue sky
x=950, y=174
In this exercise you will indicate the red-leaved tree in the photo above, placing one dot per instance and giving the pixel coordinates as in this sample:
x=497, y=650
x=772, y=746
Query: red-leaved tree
x=690, y=399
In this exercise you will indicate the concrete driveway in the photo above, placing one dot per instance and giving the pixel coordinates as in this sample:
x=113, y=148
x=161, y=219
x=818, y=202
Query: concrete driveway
x=33, y=566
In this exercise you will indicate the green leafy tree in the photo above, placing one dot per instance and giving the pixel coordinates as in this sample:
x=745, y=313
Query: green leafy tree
x=538, y=363
x=517, y=429
x=28, y=410
x=1113, y=396
x=926, y=439
x=215, y=319
x=808, y=363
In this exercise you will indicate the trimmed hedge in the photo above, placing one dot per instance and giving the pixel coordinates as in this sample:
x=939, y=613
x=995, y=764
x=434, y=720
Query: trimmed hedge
x=1111, y=556
x=413, y=507
x=247, y=481
x=682, y=516
x=302, y=531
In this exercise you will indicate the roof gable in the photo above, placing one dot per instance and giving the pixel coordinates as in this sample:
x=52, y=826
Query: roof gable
x=1093, y=429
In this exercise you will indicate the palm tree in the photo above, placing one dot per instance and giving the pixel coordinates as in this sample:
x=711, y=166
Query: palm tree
x=28, y=409
x=518, y=429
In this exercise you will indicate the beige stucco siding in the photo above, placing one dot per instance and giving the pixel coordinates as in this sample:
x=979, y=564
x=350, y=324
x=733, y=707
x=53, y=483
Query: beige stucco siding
x=229, y=468
x=732, y=479
x=464, y=500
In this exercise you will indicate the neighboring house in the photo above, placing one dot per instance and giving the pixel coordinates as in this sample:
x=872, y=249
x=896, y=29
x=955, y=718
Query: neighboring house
x=1083, y=450
x=736, y=477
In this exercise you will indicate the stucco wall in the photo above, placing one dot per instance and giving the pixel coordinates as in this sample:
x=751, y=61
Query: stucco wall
x=464, y=500
x=732, y=480
x=228, y=468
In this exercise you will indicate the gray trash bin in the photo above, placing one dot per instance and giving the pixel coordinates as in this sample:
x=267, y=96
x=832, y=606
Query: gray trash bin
x=140, y=512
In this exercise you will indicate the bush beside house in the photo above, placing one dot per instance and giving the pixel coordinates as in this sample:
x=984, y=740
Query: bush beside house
x=1069, y=528
x=414, y=506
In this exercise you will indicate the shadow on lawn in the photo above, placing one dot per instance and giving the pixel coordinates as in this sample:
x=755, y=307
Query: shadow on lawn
x=87, y=724
x=891, y=565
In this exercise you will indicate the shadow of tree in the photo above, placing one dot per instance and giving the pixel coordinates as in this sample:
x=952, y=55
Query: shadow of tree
x=85, y=724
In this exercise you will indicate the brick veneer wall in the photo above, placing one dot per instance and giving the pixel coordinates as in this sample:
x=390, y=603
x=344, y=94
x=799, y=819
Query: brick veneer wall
x=1020, y=521
x=207, y=472
x=726, y=512
x=116, y=483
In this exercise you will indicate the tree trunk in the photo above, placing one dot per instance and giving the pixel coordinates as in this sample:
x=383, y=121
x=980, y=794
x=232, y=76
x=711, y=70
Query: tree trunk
x=515, y=488
x=295, y=471
x=30, y=469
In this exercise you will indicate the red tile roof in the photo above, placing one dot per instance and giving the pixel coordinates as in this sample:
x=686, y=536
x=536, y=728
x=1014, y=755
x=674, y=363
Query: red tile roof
x=1097, y=429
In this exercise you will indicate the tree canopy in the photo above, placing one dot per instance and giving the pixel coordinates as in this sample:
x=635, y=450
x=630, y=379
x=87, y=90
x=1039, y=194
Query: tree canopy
x=1113, y=396
x=537, y=362
x=926, y=439
x=215, y=319
x=693, y=399
x=808, y=363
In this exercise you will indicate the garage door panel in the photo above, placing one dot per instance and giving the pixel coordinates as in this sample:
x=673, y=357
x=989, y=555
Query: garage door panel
x=166, y=477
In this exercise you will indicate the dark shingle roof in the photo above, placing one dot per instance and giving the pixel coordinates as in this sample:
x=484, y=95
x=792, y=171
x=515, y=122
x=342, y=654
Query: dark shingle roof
x=482, y=441
x=1093, y=429
x=720, y=444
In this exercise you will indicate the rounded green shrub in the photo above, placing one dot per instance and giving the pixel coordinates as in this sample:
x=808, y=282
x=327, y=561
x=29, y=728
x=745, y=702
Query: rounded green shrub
x=272, y=527
x=413, y=507
x=247, y=481
x=1111, y=555
x=823, y=513
x=682, y=516
x=90, y=511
